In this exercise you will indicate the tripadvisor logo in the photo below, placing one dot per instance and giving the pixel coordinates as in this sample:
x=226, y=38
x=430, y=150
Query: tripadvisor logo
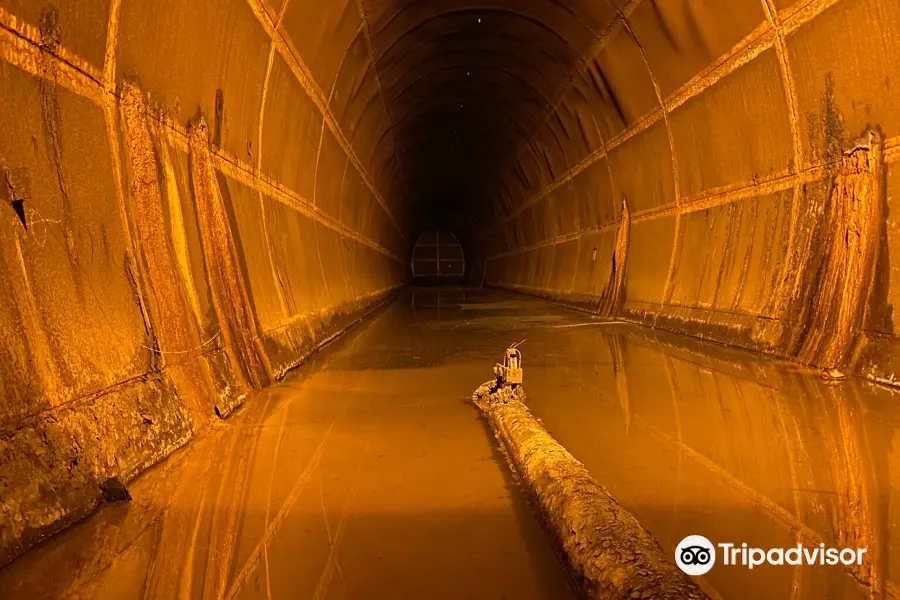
x=696, y=555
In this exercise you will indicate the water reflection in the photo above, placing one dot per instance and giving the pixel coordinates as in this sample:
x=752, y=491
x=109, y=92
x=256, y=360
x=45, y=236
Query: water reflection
x=691, y=437
x=697, y=438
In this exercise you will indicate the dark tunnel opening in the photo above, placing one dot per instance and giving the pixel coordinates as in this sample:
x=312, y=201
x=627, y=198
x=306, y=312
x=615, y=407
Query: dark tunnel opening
x=680, y=210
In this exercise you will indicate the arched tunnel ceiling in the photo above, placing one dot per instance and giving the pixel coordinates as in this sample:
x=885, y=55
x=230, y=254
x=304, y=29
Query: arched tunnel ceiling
x=467, y=84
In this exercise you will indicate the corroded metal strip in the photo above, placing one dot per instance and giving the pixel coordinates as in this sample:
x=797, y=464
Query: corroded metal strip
x=228, y=290
x=606, y=547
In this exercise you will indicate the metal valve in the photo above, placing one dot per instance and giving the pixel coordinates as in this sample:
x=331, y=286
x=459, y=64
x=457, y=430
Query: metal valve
x=510, y=371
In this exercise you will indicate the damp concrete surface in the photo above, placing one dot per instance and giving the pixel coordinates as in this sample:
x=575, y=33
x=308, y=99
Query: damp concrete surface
x=367, y=473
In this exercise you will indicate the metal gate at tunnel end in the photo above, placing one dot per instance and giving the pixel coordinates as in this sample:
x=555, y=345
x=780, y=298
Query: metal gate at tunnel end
x=438, y=257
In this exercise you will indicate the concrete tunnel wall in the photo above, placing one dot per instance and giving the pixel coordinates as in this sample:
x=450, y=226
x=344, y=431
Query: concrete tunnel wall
x=204, y=199
x=201, y=191
x=724, y=127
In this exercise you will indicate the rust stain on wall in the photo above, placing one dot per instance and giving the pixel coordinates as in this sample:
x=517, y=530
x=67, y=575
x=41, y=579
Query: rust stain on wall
x=237, y=323
x=850, y=240
x=614, y=293
x=177, y=334
x=52, y=118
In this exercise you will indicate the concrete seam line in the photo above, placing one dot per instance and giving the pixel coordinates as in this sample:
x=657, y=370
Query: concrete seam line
x=714, y=197
x=319, y=160
x=601, y=40
x=267, y=240
x=306, y=80
x=247, y=174
x=790, y=95
x=751, y=46
x=364, y=15
x=265, y=89
x=669, y=283
x=755, y=43
x=605, y=546
x=19, y=47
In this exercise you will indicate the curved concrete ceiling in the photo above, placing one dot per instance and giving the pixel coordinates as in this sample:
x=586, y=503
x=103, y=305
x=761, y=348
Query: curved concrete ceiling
x=466, y=84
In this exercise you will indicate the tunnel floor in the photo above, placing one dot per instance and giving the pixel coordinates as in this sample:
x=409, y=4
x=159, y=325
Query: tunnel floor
x=367, y=474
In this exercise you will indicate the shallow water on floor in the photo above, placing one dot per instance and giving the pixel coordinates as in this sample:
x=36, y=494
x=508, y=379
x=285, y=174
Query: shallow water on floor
x=366, y=474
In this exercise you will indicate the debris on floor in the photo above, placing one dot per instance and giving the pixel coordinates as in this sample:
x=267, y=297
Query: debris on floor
x=833, y=375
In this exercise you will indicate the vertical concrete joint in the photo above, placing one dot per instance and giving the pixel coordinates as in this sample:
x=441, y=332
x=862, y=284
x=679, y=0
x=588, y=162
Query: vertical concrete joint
x=790, y=95
x=673, y=261
x=112, y=45
x=364, y=15
x=228, y=289
x=614, y=294
x=850, y=247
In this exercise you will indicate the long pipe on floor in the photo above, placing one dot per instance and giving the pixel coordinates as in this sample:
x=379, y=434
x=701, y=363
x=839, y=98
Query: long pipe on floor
x=605, y=546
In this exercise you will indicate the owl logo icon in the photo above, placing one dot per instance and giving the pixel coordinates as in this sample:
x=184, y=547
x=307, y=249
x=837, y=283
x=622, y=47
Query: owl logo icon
x=695, y=555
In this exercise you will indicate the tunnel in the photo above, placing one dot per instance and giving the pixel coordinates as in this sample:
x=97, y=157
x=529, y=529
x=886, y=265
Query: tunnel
x=256, y=256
